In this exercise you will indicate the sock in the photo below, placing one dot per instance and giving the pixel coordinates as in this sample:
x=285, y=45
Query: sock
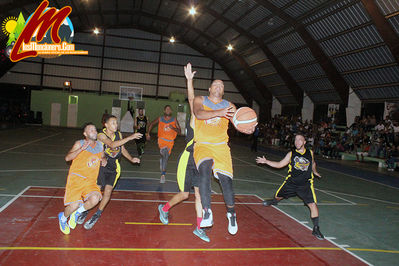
x=315, y=221
x=81, y=209
x=166, y=207
x=230, y=210
x=63, y=218
x=98, y=213
x=163, y=173
x=199, y=220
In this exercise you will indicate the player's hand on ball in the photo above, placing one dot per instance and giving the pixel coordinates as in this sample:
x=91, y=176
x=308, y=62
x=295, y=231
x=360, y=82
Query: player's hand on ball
x=261, y=160
x=250, y=131
x=136, y=160
x=227, y=112
x=136, y=136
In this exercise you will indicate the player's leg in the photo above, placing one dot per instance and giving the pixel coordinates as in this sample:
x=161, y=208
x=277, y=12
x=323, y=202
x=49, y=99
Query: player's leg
x=198, y=209
x=106, y=198
x=91, y=200
x=228, y=194
x=308, y=195
x=205, y=174
x=164, y=162
x=164, y=209
x=281, y=192
x=63, y=217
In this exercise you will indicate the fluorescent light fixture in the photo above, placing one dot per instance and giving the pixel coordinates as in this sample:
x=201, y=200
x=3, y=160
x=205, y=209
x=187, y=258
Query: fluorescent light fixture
x=192, y=11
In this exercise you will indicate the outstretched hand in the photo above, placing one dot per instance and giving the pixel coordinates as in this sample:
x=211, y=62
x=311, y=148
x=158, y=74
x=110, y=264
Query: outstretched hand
x=317, y=174
x=135, y=160
x=261, y=160
x=188, y=72
x=227, y=112
x=136, y=136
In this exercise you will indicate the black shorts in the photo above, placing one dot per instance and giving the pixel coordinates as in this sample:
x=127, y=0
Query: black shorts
x=305, y=192
x=108, y=176
x=190, y=177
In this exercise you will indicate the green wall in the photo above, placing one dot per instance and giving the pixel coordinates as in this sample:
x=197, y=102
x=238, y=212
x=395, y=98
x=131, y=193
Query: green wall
x=91, y=106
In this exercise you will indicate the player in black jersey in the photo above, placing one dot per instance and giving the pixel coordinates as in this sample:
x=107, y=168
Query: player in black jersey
x=187, y=173
x=140, y=126
x=299, y=181
x=108, y=176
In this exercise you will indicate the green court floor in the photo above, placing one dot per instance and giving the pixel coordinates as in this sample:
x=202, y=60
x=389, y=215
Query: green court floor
x=359, y=215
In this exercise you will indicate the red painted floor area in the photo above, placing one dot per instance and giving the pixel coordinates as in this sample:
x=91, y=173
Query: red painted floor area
x=32, y=222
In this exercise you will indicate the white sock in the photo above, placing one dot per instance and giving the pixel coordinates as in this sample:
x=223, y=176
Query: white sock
x=81, y=209
x=63, y=218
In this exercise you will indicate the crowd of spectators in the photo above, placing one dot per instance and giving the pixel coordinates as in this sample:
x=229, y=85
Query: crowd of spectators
x=366, y=137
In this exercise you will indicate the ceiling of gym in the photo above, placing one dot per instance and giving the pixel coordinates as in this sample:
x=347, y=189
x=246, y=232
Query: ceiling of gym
x=281, y=48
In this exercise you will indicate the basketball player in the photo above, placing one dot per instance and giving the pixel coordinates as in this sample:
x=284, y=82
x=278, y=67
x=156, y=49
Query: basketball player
x=108, y=176
x=168, y=128
x=140, y=126
x=187, y=173
x=211, y=152
x=82, y=192
x=299, y=181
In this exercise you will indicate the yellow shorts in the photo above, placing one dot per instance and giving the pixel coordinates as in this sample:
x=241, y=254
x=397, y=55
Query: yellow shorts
x=220, y=154
x=79, y=189
x=165, y=144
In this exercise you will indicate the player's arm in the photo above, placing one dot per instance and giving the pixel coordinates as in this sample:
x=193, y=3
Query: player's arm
x=202, y=114
x=177, y=128
x=190, y=86
x=127, y=155
x=135, y=124
x=283, y=163
x=314, y=167
x=76, y=149
x=152, y=124
x=103, y=160
x=117, y=143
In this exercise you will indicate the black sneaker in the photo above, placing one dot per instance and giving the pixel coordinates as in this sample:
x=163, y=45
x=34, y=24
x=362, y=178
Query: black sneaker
x=270, y=202
x=93, y=220
x=82, y=217
x=316, y=232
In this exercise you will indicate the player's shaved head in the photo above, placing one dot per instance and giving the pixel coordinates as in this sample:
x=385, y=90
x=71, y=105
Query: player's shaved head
x=109, y=117
x=90, y=131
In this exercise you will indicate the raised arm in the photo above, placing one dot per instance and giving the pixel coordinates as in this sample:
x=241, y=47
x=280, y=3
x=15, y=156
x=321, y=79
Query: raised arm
x=283, y=163
x=76, y=149
x=190, y=86
x=115, y=144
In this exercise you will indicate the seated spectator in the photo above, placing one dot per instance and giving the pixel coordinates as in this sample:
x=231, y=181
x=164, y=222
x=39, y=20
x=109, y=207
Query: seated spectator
x=393, y=157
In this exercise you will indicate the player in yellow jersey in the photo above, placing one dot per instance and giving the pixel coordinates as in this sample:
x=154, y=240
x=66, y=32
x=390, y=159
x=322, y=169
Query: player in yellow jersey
x=86, y=155
x=211, y=152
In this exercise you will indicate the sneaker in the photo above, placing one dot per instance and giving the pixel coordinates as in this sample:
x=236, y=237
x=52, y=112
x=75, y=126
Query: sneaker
x=233, y=226
x=163, y=216
x=207, y=218
x=82, y=217
x=316, y=232
x=63, y=225
x=93, y=220
x=162, y=181
x=270, y=202
x=201, y=234
x=72, y=219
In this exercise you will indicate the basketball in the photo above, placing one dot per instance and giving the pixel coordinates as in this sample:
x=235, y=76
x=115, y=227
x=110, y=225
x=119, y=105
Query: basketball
x=244, y=119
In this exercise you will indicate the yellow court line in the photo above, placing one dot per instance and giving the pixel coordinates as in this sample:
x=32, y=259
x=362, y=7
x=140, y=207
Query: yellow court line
x=138, y=223
x=395, y=208
x=196, y=249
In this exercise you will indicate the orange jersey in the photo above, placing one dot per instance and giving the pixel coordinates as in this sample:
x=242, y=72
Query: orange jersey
x=214, y=130
x=164, y=129
x=87, y=163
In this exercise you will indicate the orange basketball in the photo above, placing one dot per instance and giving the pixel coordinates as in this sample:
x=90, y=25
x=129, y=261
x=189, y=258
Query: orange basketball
x=245, y=119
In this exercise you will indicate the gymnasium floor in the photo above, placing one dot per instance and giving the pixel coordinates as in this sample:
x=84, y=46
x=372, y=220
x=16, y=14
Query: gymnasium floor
x=359, y=217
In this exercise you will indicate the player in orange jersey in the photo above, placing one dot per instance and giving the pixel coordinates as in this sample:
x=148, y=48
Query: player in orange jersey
x=168, y=129
x=86, y=156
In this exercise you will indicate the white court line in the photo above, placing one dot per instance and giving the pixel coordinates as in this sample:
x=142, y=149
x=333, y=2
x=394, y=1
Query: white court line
x=30, y=142
x=14, y=198
x=362, y=197
x=327, y=238
x=351, y=202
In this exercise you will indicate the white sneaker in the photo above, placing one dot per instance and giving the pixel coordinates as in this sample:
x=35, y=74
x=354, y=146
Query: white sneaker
x=162, y=181
x=233, y=226
x=208, y=222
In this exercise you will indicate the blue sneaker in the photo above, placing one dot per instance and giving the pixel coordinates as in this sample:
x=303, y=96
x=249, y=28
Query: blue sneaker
x=201, y=234
x=63, y=225
x=163, y=216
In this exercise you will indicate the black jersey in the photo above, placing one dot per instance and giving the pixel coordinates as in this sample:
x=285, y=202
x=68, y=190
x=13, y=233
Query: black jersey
x=112, y=155
x=300, y=167
x=189, y=138
x=141, y=128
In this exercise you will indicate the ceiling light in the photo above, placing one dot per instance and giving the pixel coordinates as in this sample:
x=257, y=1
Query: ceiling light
x=230, y=47
x=96, y=31
x=192, y=11
x=172, y=39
